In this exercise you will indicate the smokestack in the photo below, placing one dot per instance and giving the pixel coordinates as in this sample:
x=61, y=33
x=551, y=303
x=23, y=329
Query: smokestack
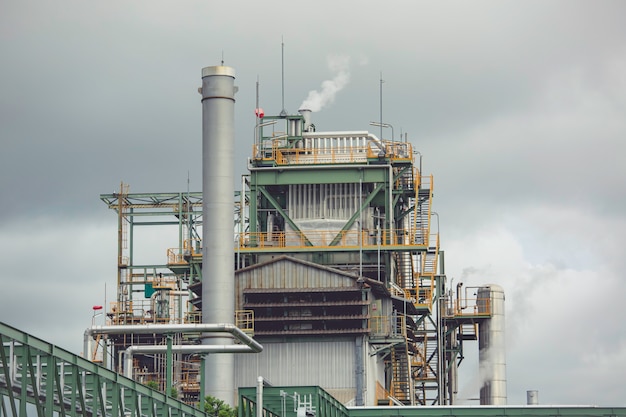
x=306, y=114
x=532, y=397
x=491, y=345
x=218, y=271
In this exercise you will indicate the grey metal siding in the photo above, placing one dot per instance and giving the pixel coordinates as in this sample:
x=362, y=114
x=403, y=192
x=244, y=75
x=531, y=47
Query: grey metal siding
x=328, y=364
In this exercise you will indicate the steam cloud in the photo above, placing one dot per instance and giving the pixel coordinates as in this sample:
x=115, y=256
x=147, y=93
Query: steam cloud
x=471, y=390
x=316, y=100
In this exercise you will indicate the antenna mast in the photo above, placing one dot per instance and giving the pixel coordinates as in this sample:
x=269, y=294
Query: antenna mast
x=283, y=113
x=257, y=116
x=381, y=104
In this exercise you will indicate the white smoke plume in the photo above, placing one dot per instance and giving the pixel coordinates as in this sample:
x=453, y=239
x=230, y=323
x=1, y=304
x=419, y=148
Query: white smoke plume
x=317, y=99
x=470, y=391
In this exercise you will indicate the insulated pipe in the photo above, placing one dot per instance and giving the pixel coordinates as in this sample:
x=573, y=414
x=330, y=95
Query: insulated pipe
x=270, y=227
x=184, y=349
x=218, y=270
x=259, y=397
x=171, y=328
x=318, y=167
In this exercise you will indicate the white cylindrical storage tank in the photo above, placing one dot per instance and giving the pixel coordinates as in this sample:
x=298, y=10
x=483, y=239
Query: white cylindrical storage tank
x=218, y=271
x=532, y=397
x=491, y=345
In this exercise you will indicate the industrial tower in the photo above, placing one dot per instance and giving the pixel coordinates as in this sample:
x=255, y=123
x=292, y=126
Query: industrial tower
x=338, y=273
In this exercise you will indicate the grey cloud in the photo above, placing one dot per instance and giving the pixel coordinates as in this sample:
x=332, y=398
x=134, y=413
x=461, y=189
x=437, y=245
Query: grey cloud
x=517, y=107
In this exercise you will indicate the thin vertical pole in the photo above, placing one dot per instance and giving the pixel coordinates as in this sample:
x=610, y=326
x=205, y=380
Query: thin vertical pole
x=282, y=78
x=381, y=105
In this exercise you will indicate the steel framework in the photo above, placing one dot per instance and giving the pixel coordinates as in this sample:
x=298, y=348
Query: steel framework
x=38, y=378
x=373, y=208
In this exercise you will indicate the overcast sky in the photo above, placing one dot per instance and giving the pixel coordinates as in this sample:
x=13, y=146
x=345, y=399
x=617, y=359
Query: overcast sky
x=518, y=108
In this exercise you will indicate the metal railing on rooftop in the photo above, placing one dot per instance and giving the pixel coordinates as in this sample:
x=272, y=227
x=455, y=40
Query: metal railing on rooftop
x=280, y=152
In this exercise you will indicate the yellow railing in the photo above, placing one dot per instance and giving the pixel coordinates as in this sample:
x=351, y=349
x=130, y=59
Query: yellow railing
x=469, y=307
x=424, y=296
x=141, y=311
x=399, y=150
x=178, y=255
x=400, y=292
x=277, y=151
x=379, y=326
x=388, y=325
x=193, y=317
x=244, y=319
x=324, y=238
x=174, y=257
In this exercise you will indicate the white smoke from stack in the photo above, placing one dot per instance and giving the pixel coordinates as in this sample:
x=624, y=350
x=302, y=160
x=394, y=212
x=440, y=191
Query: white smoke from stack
x=317, y=99
x=470, y=390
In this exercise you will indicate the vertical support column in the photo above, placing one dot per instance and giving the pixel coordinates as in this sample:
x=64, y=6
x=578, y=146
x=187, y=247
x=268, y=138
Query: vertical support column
x=202, y=381
x=218, y=270
x=359, y=371
x=441, y=334
x=253, y=208
x=168, y=366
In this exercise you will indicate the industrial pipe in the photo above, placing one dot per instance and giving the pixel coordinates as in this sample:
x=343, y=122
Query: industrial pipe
x=259, y=397
x=172, y=328
x=185, y=349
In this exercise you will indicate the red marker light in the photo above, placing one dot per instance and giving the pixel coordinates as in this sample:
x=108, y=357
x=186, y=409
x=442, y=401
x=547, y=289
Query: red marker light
x=259, y=113
x=97, y=307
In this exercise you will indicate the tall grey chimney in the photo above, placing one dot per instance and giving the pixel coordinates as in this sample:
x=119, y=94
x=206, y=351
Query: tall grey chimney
x=218, y=270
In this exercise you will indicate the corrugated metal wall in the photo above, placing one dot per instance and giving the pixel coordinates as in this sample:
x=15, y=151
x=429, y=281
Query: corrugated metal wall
x=287, y=274
x=326, y=361
x=329, y=364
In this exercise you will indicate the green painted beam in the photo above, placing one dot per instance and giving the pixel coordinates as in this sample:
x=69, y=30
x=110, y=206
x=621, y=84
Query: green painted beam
x=357, y=214
x=38, y=376
x=284, y=401
x=279, y=402
x=322, y=175
x=299, y=249
x=284, y=215
x=488, y=411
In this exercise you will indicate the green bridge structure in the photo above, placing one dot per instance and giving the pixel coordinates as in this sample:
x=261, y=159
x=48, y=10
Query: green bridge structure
x=43, y=380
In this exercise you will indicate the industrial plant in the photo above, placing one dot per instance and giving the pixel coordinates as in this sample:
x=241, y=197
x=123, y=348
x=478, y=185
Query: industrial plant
x=316, y=289
x=326, y=264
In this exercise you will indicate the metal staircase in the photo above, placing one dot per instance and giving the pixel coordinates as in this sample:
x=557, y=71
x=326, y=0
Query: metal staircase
x=401, y=385
x=425, y=364
x=423, y=210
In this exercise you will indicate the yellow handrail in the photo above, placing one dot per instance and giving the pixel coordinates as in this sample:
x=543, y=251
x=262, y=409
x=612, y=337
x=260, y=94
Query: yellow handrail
x=282, y=153
x=323, y=239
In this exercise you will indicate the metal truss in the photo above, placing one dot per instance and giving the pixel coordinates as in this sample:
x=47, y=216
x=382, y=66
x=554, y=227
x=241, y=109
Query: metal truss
x=37, y=378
